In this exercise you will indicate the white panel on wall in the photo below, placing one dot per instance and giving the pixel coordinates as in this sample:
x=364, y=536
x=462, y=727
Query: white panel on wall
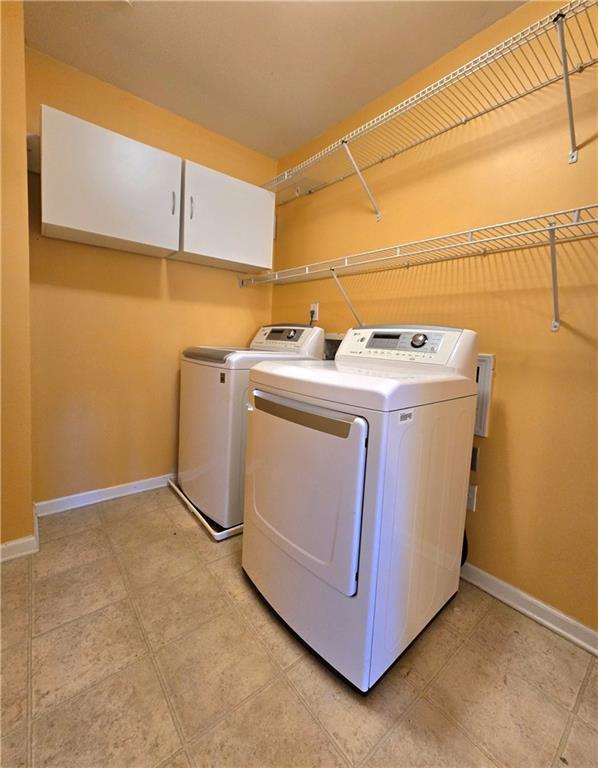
x=484, y=376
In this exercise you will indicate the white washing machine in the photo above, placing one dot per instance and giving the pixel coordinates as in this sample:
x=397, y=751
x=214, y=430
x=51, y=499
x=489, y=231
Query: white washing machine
x=212, y=420
x=355, y=493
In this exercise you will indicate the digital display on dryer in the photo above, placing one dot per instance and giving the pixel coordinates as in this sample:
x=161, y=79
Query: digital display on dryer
x=384, y=341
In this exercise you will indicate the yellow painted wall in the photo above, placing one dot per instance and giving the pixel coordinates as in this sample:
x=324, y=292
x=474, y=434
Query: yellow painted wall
x=536, y=526
x=108, y=326
x=17, y=516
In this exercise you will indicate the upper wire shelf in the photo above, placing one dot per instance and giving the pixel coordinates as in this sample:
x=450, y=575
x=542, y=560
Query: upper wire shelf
x=552, y=49
x=532, y=232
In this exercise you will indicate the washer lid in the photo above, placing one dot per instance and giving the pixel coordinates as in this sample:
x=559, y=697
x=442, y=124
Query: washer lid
x=353, y=386
x=239, y=358
x=208, y=354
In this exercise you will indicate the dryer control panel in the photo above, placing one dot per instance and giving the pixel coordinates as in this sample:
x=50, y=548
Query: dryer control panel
x=305, y=340
x=409, y=343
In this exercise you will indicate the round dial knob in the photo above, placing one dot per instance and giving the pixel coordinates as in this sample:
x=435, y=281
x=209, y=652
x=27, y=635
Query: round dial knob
x=418, y=340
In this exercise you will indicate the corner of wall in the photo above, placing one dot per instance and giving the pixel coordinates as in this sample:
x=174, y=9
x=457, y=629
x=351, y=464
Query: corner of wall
x=17, y=510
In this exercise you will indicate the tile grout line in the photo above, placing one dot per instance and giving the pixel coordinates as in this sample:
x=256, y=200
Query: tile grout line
x=535, y=686
x=467, y=637
x=329, y=737
x=465, y=733
x=152, y=654
x=130, y=591
x=153, y=660
x=70, y=533
x=186, y=740
x=470, y=736
x=462, y=727
x=253, y=628
x=128, y=596
x=77, y=565
x=418, y=697
x=583, y=686
x=213, y=724
x=281, y=673
x=573, y=714
x=70, y=699
x=71, y=567
x=463, y=637
x=166, y=762
x=563, y=740
x=531, y=683
x=82, y=616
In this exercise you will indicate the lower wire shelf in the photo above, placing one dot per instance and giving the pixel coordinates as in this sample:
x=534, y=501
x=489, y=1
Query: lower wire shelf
x=548, y=229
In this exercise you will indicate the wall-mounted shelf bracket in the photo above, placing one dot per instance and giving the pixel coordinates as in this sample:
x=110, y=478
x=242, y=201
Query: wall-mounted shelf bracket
x=345, y=296
x=556, y=315
x=362, y=180
x=559, y=21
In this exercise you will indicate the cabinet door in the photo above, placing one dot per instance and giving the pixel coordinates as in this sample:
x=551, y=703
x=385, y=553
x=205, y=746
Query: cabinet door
x=102, y=188
x=226, y=222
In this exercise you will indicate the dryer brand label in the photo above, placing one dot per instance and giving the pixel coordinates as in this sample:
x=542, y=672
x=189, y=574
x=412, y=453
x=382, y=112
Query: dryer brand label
x=406, y=416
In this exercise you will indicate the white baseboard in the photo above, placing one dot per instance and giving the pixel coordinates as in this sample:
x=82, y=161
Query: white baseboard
x=28, y=545
x=64, y=503
x=544, y=614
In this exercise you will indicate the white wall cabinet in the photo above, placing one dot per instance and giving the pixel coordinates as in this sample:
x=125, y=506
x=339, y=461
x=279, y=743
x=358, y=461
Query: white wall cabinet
x=226, y=222
x=101, y=188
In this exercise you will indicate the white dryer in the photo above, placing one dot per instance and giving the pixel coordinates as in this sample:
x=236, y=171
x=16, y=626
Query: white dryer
x=212, y=420
x=355, y=493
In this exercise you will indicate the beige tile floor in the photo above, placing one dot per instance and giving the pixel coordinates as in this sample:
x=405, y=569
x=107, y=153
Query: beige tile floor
x=131, y=639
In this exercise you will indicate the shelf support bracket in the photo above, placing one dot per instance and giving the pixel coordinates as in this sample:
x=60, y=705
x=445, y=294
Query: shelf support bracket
x=362, y=180
x=559, y=20
x=556, y=315
x=348, y=301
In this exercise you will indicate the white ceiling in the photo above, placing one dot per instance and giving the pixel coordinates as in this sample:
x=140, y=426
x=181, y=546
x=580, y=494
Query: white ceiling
x=271, y=75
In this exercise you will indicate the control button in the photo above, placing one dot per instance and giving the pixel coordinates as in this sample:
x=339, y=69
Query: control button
x=418, y=340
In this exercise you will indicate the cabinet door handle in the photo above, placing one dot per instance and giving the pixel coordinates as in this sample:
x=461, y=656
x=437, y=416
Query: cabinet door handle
x=173, y=202
x=191, y=202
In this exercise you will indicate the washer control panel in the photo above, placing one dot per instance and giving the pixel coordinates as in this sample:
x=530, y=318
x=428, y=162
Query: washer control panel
x=302, y=339
x=425, y=344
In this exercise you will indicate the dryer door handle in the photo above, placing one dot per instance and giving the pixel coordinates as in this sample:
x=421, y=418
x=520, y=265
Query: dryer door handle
x=338, y=424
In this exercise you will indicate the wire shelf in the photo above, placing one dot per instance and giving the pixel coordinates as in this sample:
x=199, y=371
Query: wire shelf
x=532, y=232
x=525, y=63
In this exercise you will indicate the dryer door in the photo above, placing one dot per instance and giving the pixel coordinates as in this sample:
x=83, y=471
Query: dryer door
x=304, y=484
